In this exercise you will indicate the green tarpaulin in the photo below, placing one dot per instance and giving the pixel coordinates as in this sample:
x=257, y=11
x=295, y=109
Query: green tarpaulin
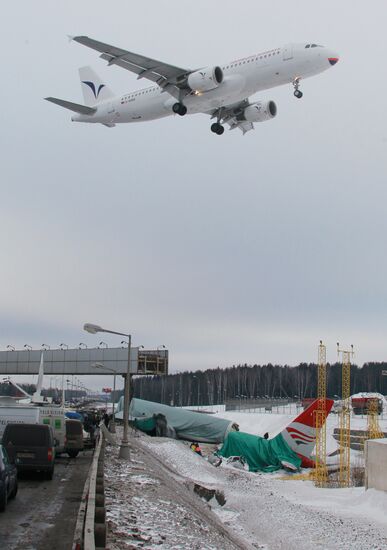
x=147, y=425
x=189, y=425
x=264, y=455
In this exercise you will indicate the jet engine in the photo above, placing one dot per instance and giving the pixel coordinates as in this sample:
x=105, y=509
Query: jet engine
x=260, y=111
x=205, y=79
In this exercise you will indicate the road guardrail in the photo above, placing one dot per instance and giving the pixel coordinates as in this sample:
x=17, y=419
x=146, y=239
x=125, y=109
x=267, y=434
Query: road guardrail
x=90, y=529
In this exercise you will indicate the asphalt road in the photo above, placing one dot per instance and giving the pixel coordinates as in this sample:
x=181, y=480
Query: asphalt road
x=43, y=514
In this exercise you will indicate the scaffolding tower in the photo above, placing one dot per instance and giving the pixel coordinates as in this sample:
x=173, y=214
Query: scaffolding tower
x=373, y=428
x=320, y=473
x=345, y=418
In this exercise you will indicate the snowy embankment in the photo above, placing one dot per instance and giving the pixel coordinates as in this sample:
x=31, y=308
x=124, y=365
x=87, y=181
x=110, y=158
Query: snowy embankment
x=276, y=513
x=263, y=510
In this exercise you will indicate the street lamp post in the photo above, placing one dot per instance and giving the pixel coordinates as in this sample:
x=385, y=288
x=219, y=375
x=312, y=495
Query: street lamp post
x=113, y=422
x=124, y=451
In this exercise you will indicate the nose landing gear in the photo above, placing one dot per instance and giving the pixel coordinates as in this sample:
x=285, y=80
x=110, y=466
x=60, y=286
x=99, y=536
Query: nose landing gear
x=296, y=85
x=179, y=109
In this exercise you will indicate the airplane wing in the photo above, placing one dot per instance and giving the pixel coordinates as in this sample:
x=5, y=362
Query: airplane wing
x=231, y=114
x=172, y=79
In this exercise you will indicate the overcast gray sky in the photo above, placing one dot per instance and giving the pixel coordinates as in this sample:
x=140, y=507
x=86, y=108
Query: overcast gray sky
x=225, y=249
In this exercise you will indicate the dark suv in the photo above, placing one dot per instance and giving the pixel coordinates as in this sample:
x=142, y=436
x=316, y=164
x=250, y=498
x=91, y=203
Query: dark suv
x=8, y=479
x=31, y=446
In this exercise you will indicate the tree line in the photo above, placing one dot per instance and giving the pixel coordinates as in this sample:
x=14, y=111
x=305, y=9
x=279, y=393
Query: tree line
x=214, y=386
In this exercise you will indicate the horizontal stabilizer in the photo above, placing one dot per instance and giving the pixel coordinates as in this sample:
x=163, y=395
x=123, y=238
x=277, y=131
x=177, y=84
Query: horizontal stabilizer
x=81, y=109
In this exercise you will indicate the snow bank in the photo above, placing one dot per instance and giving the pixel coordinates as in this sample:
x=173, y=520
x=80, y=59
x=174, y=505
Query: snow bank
x=264, y=509
x=181, y=459
x=353, y=502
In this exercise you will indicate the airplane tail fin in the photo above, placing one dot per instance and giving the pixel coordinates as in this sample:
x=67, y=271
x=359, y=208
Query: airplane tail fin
x=300, y=434
x=93, y=89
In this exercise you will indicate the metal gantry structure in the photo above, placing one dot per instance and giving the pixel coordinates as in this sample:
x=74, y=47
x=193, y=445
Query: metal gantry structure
x=321, y=473
x=373, y=429
x=345, y=418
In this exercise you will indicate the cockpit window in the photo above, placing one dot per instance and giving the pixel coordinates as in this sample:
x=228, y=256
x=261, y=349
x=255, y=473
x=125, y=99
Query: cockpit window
x=307, y=46
x=316, y=46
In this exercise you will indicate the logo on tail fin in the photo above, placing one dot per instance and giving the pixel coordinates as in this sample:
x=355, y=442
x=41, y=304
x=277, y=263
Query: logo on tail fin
x=92, y=87
x=300, y=438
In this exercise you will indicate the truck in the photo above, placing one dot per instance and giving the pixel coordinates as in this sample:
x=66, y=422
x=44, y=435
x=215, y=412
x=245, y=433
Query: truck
x=67, y=433
x=50, y=415
x=18, y=414
x=360, y=405
x=54, y=416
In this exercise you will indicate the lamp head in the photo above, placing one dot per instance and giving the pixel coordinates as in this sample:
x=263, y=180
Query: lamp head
x=92, y=329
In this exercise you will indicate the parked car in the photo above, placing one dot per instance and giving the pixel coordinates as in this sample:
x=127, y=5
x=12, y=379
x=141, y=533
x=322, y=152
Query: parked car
x=8, y=479
x=74, y=437
x=31, y=447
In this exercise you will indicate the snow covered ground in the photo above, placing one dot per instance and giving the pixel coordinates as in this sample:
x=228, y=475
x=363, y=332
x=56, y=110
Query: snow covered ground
x=264, y=510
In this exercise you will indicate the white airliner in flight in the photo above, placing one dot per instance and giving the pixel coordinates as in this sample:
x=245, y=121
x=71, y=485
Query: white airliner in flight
x=221, y=91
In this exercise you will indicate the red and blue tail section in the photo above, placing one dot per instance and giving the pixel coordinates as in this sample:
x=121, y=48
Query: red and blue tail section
x=300, y=435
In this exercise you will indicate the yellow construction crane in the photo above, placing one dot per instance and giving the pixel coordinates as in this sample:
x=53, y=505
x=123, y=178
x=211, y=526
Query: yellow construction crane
x=345, y=418
x=320, y=472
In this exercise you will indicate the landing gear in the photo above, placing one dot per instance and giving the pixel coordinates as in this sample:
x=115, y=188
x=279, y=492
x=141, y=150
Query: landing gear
x=217, y=128
x=296, y=85
x=179, y=109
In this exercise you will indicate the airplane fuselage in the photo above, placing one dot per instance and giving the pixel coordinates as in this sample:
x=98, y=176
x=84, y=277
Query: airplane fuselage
x=241, y=79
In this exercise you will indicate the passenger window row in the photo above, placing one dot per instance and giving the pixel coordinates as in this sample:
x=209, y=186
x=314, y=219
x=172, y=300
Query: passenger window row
x=252, y=59
x=127, y=98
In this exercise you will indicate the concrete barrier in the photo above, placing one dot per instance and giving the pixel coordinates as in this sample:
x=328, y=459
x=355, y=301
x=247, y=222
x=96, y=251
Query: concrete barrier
x=90, y=530
x=376, y=464
x=357, y=438
x=109, y=437
x=80, y=524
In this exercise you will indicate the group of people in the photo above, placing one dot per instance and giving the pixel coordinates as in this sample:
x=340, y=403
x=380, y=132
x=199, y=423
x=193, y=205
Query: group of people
x=91, y=422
